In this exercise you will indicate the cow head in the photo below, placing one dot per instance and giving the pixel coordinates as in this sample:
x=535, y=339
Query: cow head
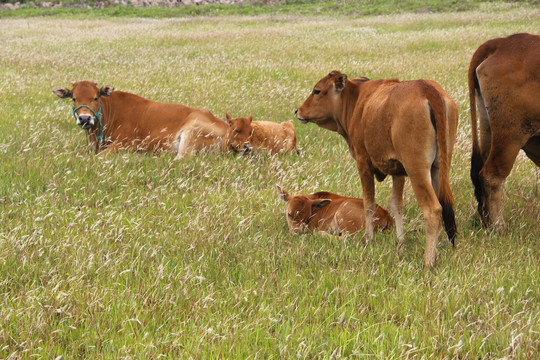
x=300, y=210
x=240, y=133
x=86, y=101
x=324, y=105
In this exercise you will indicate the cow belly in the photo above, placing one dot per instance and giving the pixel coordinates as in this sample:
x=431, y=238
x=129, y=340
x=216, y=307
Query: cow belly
x=161, y=141
x=390, y=167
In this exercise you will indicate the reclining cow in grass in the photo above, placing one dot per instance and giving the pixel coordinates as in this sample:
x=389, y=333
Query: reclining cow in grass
x=246, y=134
x=504, y=87
x=116, y=120
x=399, y=129
x=330, y=213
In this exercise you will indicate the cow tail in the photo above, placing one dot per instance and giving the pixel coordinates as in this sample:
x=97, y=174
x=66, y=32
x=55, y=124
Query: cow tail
x=440, y=121
x=477, y=160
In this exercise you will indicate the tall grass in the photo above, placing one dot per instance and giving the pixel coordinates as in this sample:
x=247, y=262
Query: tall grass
x=142, y=256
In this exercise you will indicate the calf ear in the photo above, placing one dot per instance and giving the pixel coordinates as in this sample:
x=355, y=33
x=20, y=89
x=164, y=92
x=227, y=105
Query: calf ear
x=283, y=195
x=63, y=93
x=319, y=203
x=250, y=118
x=228, y=118
x=106, y=90
x=340, y=82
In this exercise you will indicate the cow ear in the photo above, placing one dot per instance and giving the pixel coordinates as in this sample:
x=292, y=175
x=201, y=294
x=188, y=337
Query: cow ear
x=340, y=82
x=360, y=79
x=106, y=90
x=228, y=118
x=283, y=195
x=63, y=93
x=250, y=118
x=319, y=203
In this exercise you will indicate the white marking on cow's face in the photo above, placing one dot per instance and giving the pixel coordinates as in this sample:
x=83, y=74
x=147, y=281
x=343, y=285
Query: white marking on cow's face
x=85, y=121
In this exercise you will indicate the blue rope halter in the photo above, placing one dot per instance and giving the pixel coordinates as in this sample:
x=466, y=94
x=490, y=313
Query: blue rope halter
x=97, y=116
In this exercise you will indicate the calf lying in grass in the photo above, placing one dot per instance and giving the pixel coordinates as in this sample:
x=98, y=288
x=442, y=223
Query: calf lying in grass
x=330, y=213
x=246, y=134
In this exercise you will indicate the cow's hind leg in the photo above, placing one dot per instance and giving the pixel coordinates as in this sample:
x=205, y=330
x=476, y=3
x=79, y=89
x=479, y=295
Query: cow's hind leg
x=186, y=140
x=432, y=210
x=493, y=175
x=396, y=206
x=368, y=193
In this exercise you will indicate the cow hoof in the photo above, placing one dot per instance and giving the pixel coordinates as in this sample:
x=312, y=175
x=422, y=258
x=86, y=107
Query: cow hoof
x=500, y=227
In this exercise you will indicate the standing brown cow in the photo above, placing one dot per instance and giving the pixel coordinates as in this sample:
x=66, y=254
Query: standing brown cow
x=399, y=129
x=118, y=120
x=504, y=87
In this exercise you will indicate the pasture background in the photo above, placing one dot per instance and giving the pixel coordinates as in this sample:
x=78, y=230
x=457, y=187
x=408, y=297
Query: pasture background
x=142, y=256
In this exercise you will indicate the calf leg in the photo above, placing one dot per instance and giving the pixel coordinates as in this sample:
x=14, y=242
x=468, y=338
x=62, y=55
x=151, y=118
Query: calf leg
x=396, y=206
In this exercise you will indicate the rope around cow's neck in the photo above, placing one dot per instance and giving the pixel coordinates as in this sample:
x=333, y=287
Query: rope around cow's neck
x=97, y=116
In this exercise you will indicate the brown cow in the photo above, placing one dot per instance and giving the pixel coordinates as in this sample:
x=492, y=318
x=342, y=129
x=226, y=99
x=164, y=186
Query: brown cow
x=116, y=120
x=245, y=134
x=399, y=129
x=504, y=87
x=330, y=213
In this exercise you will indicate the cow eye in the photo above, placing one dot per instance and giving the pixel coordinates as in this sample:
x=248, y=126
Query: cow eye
x=316, y=92
x=236, y=131
x=95, y=99
x=73, y=99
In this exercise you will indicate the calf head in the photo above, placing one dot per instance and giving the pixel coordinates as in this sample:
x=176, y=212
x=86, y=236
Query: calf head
x=300, y=210
x=86, y=101
x=240, y=133
x=324, y=104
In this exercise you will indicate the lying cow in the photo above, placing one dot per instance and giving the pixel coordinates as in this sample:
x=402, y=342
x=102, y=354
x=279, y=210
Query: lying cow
x=399, y=129
x=245, y=134
x=117, y=120
x=504, y=87
x=330, y=213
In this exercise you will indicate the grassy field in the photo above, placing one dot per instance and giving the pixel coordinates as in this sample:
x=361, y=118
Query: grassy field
x=140, y=256
x=90, y=8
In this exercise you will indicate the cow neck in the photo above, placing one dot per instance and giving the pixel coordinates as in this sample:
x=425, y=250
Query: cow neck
x=349, y=98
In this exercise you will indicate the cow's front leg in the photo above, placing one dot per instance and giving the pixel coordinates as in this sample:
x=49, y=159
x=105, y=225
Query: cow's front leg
x=112, y=148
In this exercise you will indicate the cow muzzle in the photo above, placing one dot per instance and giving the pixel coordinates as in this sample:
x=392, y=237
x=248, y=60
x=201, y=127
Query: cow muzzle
x=88, y=121
x=303, y=121
x=246, y=149
x=85, y=121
